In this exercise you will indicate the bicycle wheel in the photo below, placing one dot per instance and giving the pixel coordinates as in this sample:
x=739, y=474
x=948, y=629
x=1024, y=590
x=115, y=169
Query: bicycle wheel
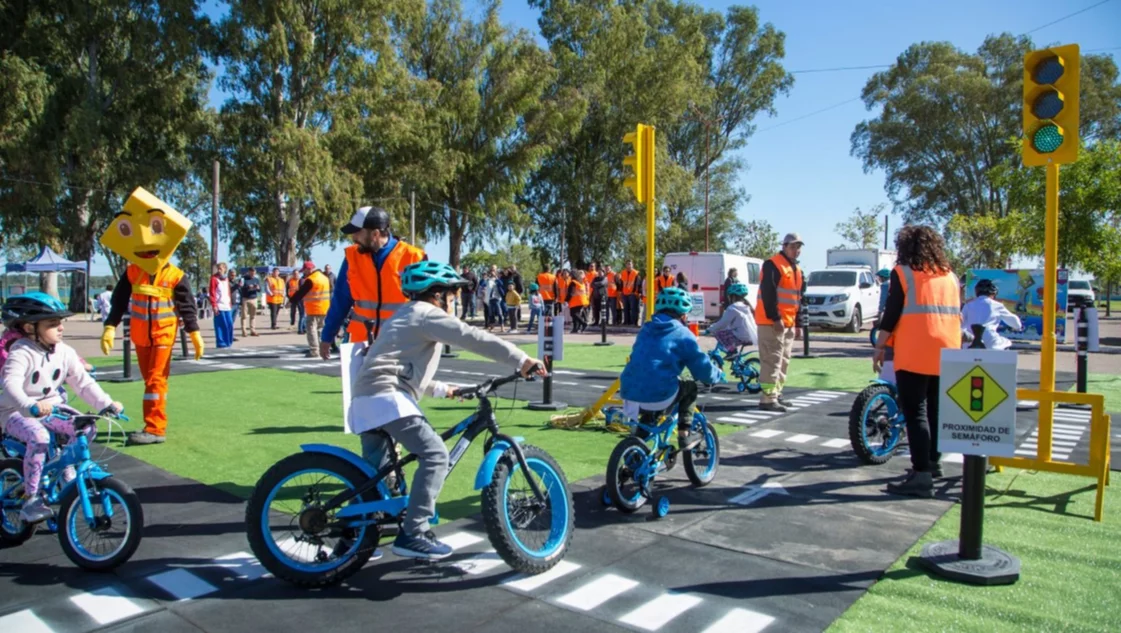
x=627, y=493
x=118, y=521
x=13, y=530
x=531, y=536
x=753, y=369
x=295, y=540
x=874, y=425
x=703, y=459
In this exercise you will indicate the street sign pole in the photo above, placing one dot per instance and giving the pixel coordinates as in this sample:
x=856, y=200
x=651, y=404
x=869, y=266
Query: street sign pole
x=547, y=329
x=1050, y=292
x=603, y=342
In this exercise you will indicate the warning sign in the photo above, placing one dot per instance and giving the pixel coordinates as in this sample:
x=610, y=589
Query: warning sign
x=977, y=410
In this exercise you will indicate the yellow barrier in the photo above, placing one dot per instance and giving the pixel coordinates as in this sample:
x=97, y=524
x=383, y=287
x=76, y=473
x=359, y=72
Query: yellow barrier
x=1098, y=466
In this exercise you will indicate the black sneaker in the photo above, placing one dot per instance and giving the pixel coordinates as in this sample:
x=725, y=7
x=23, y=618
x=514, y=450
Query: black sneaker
x=916, y=485
x=423, y=546
x=144, y=437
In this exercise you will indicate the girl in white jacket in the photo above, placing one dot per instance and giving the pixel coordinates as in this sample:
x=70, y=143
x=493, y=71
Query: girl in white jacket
x=736, y=326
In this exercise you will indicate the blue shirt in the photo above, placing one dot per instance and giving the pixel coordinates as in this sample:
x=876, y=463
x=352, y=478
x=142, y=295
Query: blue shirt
x=341, y=301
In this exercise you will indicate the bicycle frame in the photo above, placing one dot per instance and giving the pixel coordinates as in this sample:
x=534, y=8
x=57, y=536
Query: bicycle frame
x=661, y=434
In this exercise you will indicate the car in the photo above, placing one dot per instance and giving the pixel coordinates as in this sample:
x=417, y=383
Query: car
x=1079, y=294
x=842, y=296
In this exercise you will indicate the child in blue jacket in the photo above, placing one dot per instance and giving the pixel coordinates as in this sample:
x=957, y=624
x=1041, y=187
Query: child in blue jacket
x=663, y=349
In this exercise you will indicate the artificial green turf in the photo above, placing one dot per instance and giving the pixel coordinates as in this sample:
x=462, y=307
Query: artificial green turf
x=226, y=428
x=1070, y=576
x=1109, y=386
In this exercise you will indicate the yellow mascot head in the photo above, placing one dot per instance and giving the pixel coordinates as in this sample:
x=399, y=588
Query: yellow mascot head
x=146, y=231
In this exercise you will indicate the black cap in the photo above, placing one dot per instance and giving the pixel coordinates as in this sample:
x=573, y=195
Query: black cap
x=367, y=218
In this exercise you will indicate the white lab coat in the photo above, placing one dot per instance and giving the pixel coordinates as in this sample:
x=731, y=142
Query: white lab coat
x=989, y=313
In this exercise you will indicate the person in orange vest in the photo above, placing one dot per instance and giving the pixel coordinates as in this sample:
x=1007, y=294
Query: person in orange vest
x=612, y=291
x=922, y=317
x=563, y=281
x=274, y=295
x=295, y=308
x=631, y=292
x=781, y=288
x=315, y=295
x=156, y=294
x=369, y=280
x=664, y=280
x=578, y=301
x=547, y=286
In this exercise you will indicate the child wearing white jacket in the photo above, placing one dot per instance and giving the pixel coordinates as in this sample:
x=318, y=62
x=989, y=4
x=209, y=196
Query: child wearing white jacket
x=736, y=326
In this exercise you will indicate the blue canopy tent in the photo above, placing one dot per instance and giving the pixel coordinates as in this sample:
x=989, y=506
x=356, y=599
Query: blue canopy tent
x=47, y=261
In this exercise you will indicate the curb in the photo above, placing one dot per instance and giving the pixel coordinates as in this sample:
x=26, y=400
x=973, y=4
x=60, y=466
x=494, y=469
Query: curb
x=1019, y=347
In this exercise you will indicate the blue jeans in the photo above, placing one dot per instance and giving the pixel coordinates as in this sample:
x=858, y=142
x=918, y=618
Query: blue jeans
x=468, y=306
x=224, y=328
x=533, y=314
x=497, y=311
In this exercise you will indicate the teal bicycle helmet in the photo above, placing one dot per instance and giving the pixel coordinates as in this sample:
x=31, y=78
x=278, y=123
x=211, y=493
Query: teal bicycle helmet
x=673, y=300
x=423, y=276
x=534, y=287
x=33, y=307
x=737, y=290
x=884, y=273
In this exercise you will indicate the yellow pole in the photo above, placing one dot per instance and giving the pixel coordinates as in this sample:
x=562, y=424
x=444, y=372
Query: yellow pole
x=650, y=152
x=1050, y=290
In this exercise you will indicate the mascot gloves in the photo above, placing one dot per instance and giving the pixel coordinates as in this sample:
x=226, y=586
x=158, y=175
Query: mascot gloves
x=196, y=340
x=107, y=339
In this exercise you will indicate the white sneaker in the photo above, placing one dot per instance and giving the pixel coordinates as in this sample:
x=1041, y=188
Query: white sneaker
x=35, y=510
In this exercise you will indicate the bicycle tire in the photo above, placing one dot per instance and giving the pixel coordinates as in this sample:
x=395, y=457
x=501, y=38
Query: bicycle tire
x=622, y=502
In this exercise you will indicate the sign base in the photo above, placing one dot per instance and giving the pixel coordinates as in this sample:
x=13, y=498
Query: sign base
x=546, y=406
x=603, y=343
x=122, y=379
x=995, y=567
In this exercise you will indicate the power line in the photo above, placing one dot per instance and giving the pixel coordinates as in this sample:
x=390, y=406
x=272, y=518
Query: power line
x=806, y=116
x=839, y=68
x=1065, y=17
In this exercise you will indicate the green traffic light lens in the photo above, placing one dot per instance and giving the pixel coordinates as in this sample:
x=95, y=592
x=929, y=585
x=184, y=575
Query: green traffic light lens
x=1049, y=70
x=1047, y=138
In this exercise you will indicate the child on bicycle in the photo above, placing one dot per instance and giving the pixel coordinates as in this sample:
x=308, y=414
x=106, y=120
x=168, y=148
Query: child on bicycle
x=987, y=311
x=736, y=326
x=663, y=349
x=397, y=369
x=39, y=364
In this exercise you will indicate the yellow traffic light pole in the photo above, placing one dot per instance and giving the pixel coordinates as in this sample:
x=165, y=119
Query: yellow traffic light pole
x=1050, y=298
x=649, y=169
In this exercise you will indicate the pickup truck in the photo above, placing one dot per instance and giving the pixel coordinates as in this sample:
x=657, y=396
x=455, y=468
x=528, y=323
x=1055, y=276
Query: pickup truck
x=842, y=296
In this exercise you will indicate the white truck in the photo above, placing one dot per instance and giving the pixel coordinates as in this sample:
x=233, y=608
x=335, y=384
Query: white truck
x=706, y=273
x=874, y=258
x=847, y=294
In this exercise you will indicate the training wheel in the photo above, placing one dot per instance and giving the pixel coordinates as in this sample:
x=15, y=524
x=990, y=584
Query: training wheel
x=51, y=526
x=742, y=387
x=661, y=508
x=605, y=499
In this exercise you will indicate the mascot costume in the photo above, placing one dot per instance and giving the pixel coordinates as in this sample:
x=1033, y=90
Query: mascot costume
x=156, y=295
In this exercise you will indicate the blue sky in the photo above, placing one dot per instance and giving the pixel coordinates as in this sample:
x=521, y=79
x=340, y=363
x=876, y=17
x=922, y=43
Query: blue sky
x=799, y=172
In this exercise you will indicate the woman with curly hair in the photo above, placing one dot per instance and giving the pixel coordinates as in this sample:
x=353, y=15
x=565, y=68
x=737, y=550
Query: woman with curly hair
x=923, y=317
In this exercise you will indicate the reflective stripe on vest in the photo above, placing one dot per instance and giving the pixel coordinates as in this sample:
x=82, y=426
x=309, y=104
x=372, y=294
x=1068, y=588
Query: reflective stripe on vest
x=788, y=293
x=377, y=295
x=318, y=300
x=546, y=283
x=578, y=295
x=151, y=308
x=930, y=320
x=628, y=281
x=276, y=287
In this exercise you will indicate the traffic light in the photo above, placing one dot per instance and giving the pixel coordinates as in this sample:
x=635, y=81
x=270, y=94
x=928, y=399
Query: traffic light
x=1051, y=78
x=641, y=162
x=976, y=394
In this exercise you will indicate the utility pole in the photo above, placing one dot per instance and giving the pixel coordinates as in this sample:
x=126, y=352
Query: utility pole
x=564, y=217
x=214, y=221
x=885, y=231
x=708, y=123
x=412, y=217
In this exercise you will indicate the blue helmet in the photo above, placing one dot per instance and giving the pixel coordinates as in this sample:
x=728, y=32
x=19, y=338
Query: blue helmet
x=32, y=307
x=673, y=300
x=884, y=273
x=423, y=276
x=737, y=290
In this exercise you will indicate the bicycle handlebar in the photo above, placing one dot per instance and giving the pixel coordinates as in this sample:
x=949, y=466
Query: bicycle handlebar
x=487, y=386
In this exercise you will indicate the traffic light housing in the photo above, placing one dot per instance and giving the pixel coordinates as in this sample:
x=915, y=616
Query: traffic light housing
x=1050, y=105
x=641, y=162
x=977, y=394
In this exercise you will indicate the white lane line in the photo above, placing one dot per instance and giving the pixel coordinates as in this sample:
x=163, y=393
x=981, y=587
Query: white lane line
x=814, y=398
x=656, y=613
x=740, y=621
x=229, y=366
x=23, y=622
x=569, y=373
x=181, y=584
x=765, y=433
x=801, y=438
x=597, y=592
x=836, y=443
x=106, y=605
x=524, y=583
x=459, y=540
x=721, y=398
x=767, y=413
x=953, y=458
x=740, y=421
x=567, y=384
x=749, y=414
x=480, y=563
x=243, y=564
x=835, y=394
x=1069, y=427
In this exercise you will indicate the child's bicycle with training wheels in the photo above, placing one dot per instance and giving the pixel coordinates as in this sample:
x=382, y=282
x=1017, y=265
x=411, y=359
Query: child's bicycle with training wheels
x=99, y=519
x=639, y=458
x=876, y=423
x=744, y=366
x=315, y=518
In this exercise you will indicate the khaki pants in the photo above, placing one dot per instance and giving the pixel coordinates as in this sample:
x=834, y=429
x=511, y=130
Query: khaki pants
x=314, y=324
x=775, y=349
x=249, y=307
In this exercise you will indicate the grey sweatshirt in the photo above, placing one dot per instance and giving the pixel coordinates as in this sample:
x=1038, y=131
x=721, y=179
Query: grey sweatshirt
x=406, y=354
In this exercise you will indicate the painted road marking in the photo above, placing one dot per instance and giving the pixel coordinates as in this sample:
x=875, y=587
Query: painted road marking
x=480, y=563
x=754, y=493
x=801, y=438
x=229, y=366
x=106, y=605
x=766, y=433
x=740, y=621
x=459, y=540
x=836, y=443
x=23, y=622
x=656, y=613
x=744, y=421
x=569, y=373
x=521, y=582
x=243, y=564
x=181, y=584
x=597, y=592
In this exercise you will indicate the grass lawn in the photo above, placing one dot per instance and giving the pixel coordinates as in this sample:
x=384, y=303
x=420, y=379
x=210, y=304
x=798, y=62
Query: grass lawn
x=226, y=428
x=1070, y=567
x=1109, y=386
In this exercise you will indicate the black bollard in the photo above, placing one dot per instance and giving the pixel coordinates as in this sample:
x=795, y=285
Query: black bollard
x=804, y=319
x=126, y=376
x=448, y=353
x=183, y=342
x=546, y=403
x=1082, y=346
x=603, y=342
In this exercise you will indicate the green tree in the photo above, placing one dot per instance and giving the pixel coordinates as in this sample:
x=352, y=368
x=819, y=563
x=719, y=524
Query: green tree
x=527, y=259
x=945, y=117
x=863, y=228
x=986, y=241
x=193, y=256
x=756, y=239
x=100, y=97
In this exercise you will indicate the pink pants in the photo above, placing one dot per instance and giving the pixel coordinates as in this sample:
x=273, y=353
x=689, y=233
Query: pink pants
x=33, y=432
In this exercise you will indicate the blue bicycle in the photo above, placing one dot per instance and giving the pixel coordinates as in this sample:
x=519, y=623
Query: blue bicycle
x=100, y=517
x=639, y=458
x=876, y=423
x=315, y=518
x=745, y=367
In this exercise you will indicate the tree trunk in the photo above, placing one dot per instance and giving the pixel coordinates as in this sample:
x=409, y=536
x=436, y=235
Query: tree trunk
x=81, y=251
x=456, y=233
x=48, y=283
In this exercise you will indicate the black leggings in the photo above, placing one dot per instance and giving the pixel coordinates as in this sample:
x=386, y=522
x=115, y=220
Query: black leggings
x=918, y=400
x=686, y=400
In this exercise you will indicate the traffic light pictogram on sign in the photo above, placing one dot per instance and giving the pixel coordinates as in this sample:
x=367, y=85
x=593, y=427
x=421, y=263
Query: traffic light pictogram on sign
x=977, y=393
x=641, y=162
x=1050, y=105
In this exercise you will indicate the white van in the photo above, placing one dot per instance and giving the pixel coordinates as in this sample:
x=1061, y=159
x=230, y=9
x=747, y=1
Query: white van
x=706, y=272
